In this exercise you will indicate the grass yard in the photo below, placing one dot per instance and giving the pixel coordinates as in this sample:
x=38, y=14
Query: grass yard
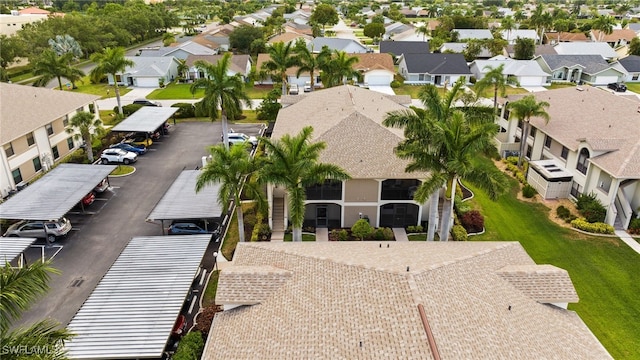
x=554, y=86
x=305, y=237
x=488, y=93
x=232, y=238
x=635, y=87
x=417, y=237
x=209, y=296
x=175, y=91
x=604, y=270
x=413, y=90
x=123, y=170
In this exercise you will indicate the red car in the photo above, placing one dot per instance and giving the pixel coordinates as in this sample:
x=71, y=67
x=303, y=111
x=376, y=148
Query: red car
x=180, y=327
x=89, y=199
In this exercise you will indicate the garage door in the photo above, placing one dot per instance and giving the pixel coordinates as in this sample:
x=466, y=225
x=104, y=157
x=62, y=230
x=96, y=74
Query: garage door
x=378, y=80
x=531, y=81
x=604, y=80
x=147, y=82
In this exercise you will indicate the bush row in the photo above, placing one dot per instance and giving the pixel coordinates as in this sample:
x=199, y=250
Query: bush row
x=458, y=233
x=596, y=228
x=190, y=347
x=415, y=229
x=591, y=208
x=261, y=231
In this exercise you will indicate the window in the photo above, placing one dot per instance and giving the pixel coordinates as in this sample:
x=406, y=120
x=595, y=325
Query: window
x=635, y=77
x=547, y=141
x=70, y=143
x=529, y=150
x=30, y=140
x=564, y=153
x=520, y=124
x=576, y=189
x=55, y=152
x=583, y=161
x=421, y=77
x=49, y=128
x=65, y=120
x=8, y=149
x=36, y=164
x=533, y=132
x=17, y=176
x=329, y=190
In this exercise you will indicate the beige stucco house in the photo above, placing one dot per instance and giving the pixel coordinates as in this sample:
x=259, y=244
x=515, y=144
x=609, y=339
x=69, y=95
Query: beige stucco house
x=33, y=123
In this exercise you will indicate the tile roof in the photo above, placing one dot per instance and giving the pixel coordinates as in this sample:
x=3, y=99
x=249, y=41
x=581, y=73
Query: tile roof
x=359, y=300
x=567, y=36
x=543, y=283
x=615, y=36
x=238, y=63
x=374, y=61
x=287, y=37
x=604, y=121
x=404, y=47
x=592, y=64
x=437, y=64
x=349, y=120
x=631, y=63
x=24, y=109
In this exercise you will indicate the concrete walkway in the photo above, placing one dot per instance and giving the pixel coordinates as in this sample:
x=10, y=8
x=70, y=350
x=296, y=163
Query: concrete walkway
x=400, y=234
x=322, y=234
x=277, y=236
x=628, y=240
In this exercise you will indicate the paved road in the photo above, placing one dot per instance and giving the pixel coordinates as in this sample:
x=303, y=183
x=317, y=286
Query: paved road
x=97, y=240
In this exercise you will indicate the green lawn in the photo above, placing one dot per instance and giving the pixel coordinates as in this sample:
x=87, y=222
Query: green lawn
x=209, y=296
x=488, y=93
x=305, y=237
x=104, y=90
x=554, y=86
x=635, y=87
x=604, y=270
x=413, y=90
x=182, y=91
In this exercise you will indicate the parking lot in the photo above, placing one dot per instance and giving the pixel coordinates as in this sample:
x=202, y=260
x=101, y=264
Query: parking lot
x=100, y=233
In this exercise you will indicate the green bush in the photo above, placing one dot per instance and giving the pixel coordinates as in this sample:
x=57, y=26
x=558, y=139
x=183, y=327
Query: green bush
x=382, y=234
x=343, y=235
x=459, y=233
x=563, y=212
x=361, y=229
x=528, y=191
x=185, y=110
x=634, y=226
x=513, y=160
x=596, y=228
x=584, y=200
x=190, y=347
x=591, y=208
x=395, y=84
x=415, y=229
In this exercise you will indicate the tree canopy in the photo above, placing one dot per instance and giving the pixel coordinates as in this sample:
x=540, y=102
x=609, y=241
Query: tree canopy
x=243, y=36
x=324, y=14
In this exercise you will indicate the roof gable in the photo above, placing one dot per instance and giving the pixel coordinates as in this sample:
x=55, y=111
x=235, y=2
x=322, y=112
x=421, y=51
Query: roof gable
x=631, y=63
x=436, y=63
x=404, y=47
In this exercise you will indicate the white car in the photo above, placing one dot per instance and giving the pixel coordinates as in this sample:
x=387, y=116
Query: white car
x=293, y=89
x=115, y=155
x=239, y=138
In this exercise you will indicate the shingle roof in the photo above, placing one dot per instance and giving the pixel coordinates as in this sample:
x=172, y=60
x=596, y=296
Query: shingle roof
x=586, y=48
x=601, y=119
x=404, y=47
x=567, y=36
x=437, y=64
x=349, y=120
x=373, y=61
x=149, y=65
x=287, y=37
x=24, y=109
x=238, y=63
x=592, y=64
x=249, y=285
x=543, y=283
x=333, y=43
x=512, y=67
x=359, y=300
x=616, y=34
x=473, y=34
x=631, y=63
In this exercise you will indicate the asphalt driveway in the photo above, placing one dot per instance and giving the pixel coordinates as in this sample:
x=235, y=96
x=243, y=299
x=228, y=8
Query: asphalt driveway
x=100, y=235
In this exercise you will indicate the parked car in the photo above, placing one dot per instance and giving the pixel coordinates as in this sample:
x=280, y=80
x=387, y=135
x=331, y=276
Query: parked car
x=619, y=87
x=179, y=327
x=88, y=199
x=192, y=228
x=118, y=156
x=307, y=86
x=293, y=89
x=102, y=187
x=145, y=102
x=50, y=230
x=239, y=138
x=137, y=149
x=138, y=139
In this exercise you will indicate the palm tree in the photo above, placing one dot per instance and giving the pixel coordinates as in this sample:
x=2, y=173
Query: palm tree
x=230, y=167
x=20, y=287
x=83, y=124
x=50, y=66
x=495, y=79
x=339, y=69
x=424, y=30
x=183, y=68
x=111, y=61
x=523, y=110
x=444, y=141
x=508, y=24
x=292, y=161
x=310, y=62
x=281, y=59
x=222, y=92
x=604, y=23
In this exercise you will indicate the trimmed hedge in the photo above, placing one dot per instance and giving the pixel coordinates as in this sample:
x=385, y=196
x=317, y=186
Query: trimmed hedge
x=361, y=229
x=596, y=228
x=190, y=347
x=415, y=229
x=185, y=110
x=528, y=191
x=459, y=233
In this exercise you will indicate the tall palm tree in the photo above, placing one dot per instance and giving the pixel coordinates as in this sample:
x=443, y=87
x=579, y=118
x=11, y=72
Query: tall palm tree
x=443, y=141
x=292, y=161
x=424, y=30
x=110, y=61
x=51, y=66
x=339, y=69
x=19, y=289
x=183, y=68
x=83, y=124
x=495, y=79
x=508, y=24
x=231, y=167
x=223, y=94
x=523, y=110
x=310, y=62
x=281, y=59
x=604, y=23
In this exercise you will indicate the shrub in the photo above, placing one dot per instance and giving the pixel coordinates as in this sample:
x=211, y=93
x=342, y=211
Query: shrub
x=185, y=110
x=596, y=228
x=460, y=206
x=128, y=109
x=269, y=108
x=513, y=160
x=382, y=234
x=594, y=212
x=529, y=191
x=634, y=226
x=472, y=221
x=361, y=229
x=250, y=220
x=388, y=233
x=396, y=84
x=343, y=235
x=563, y=212
x=584, y=200
x=190, y=347
x=458, y=233
x=415, y=229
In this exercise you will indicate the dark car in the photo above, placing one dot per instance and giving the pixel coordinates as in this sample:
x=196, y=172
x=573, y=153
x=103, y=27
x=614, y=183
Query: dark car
x=192, y=228
x=138, y=149
x=619, y=87
x=145, y=102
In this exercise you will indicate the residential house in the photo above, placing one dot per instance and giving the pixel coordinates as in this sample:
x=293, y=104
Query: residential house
x=147, y=71
x=397, y=300
x=179, y=51
x=289, y=37
x=34, y=121
x=554, y=37
x=590, y=69
x=635, y=26
x=292, y=74
x=543, y=49
x=437, y=69
x=586, y=48
x=11, y=23
x=349, y=120
x=375, y=69
x=512, y=35
x=527, y=73
x=473, y=34
x=459, y=48
x=398, y=48
x=239, y=64
x=591, y=145
x=337, y=44
x=218, y=44
x=618, y=37
x=300, y=28
x=398, y=31
x=631, y=64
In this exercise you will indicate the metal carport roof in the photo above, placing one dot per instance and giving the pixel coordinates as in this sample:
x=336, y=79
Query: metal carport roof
x=52, y=196
x=131, y=312
x=11, y=247
x=146, y=119
x=182, y=202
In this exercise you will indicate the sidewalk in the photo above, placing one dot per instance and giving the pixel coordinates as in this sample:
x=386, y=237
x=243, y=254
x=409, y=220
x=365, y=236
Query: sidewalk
x=628, y=240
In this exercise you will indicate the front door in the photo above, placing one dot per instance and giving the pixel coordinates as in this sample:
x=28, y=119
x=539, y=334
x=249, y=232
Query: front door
x=399, y=214
x=321, y=216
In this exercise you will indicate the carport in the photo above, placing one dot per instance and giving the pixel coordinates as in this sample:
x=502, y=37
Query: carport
x=57, y=192
x=14, y=247
x=131, y=312
x=182, y=202
x=147, y=119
